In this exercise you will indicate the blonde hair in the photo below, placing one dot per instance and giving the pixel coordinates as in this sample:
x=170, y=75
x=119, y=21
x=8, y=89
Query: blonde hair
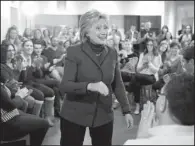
x=87, y=20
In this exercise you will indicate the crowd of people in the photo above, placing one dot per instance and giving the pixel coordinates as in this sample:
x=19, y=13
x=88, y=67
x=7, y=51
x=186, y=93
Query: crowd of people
x=32, y=68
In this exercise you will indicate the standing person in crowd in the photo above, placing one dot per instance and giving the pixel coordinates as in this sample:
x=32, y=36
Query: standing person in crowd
x=16, y=124
x=171, y=120
x=162, y=35
x=116, y=36
x=12, y=37
x=114, y=29
x=132, y=34
x=145, y=34
x=88, y=101
x=28, y=34
x=39, y=36
x=30, y=81
x=47, y=37
x=147, y=68
x=186, y=38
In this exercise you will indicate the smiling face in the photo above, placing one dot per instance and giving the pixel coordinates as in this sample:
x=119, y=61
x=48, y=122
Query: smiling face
x=28, y=47
x=150, y=46
x=163, y=47
x=188, y=29
x=38, y=49
x=98, y=32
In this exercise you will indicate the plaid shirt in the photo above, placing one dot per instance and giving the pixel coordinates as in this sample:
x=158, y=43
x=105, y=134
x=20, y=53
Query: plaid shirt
x=6, y=116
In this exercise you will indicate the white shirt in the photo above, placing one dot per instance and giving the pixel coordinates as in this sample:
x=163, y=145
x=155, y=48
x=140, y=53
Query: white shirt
x=156, y=62
x=167, y=135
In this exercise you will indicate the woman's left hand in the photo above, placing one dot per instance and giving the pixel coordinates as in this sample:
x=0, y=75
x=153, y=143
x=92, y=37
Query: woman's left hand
x=129, y=120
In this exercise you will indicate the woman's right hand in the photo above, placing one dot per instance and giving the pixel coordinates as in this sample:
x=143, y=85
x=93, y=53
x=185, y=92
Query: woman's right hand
x=99, y=87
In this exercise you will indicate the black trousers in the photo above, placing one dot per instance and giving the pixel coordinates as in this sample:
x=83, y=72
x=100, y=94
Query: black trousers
x=73, y=134
x=136, y=80
x=158, y=85
x=23, y=125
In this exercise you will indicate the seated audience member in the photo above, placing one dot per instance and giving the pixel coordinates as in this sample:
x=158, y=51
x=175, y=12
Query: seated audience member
x=188, y=60
x=171, y=120
x=168, y=37
x=16, y=78
x=47, y=37
x=130, y=59
x=16, y=124
x=27, y=35
x=162, y=35
x=66, y=44
x=12, y=37
x=20, y=97
x=163, y=49
x=128, y=62
x=172, y=64
x=54, y=57
x=30, y=81
x=38, y=36
x=42, y=72
x=19, y=72
x=147, y=68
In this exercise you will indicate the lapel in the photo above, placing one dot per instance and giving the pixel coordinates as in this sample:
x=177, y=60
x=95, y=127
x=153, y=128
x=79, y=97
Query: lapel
x=104, y=54
x=86, y=48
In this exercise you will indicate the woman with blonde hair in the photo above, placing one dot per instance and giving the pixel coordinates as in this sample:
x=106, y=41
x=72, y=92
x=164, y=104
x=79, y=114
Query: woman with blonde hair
x=88, y=101
x=12, y=37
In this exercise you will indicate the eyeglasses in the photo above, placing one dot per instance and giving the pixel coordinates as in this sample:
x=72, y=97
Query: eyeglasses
x=149, y=44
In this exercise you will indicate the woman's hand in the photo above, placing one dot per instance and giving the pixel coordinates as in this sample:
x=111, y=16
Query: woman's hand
x=52, y=68
x=99, y=87
x=147, y=120
x=129, y=120
x=46, y=65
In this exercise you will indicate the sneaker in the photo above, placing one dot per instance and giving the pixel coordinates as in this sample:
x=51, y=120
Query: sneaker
x=137, y=108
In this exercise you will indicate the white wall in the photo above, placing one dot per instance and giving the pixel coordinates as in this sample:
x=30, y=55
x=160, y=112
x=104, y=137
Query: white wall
x=53, y=20
x=117, y=8
x=109, y=7
x=5, y=18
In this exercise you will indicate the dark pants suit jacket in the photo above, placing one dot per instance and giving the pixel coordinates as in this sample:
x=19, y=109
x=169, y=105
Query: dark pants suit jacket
x=82, y=67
